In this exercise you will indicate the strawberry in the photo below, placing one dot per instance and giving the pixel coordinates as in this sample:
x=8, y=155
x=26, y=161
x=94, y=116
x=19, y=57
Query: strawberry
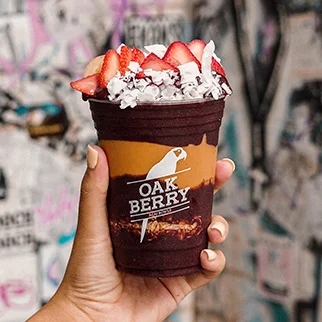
x=125, y=59
x=111, y=65
x=178, y=54
x=137, y=55
x=87, y=85
x=197, y=46
x=152, y=61
x=217, y=67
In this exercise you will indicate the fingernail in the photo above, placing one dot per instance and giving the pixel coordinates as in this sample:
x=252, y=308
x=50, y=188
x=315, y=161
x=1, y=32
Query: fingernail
x=210, y=254
x=219, y=226
x=91, y=157
x=231, y=162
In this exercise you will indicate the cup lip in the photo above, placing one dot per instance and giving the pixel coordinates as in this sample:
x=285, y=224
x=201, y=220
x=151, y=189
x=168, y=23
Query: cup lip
x=161, y=102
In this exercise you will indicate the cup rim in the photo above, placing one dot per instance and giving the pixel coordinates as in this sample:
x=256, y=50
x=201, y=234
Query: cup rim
x=161, y=102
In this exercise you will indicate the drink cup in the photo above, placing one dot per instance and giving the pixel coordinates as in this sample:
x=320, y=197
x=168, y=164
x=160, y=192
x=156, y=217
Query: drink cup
x=162, y=158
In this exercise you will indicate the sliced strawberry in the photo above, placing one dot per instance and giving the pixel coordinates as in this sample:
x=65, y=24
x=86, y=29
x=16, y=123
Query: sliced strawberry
x=178, y=54
x=140, y=74
x=152, y=61
x=137, y=55
x=111, y=65
x=125, y=59
x=87, y=85
x=197, y=46
x=217, y=67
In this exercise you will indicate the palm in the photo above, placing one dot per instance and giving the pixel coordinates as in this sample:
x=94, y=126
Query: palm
x=153, y=298
x=130, y=296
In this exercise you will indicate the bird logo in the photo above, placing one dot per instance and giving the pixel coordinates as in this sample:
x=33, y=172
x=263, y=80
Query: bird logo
x=165, y=167
x=168, y=165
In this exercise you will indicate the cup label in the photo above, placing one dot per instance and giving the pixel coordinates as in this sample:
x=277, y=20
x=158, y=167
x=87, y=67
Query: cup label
x=159, y=200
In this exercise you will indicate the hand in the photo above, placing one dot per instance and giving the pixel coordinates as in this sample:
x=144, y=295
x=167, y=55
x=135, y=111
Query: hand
x=93, y=290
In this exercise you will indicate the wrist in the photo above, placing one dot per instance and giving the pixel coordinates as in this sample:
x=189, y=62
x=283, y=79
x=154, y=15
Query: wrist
x=59, y=308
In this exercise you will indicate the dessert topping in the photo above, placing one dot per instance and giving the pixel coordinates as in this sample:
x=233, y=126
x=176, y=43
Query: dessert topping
x=179, y=72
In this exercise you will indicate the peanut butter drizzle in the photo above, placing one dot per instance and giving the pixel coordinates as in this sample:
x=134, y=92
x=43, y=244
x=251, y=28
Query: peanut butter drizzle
x=137, y=158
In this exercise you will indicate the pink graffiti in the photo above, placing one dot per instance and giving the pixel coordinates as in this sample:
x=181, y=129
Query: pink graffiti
x=55, y=208
x=16, y=294
x=118, y=7
x=75, y=47
x=38, y=31
x=39, y=37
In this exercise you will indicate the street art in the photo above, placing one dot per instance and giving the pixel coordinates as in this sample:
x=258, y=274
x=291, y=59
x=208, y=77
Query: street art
x=271, y=129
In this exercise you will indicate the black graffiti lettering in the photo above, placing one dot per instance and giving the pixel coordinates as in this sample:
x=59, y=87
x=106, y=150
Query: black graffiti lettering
x=155, y=30
x=174, y=32
x=23, y=239
x=19, y=219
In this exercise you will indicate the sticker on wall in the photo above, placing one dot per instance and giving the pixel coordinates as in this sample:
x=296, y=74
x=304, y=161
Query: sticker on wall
x=275, y=260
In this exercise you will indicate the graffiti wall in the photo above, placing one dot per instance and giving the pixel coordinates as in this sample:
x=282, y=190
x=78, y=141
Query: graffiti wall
x=272, y=129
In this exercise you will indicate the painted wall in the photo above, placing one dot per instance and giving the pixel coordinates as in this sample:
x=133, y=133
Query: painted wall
x=272, y=129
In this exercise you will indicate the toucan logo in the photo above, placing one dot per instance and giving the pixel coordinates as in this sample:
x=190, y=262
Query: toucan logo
x=158, y=199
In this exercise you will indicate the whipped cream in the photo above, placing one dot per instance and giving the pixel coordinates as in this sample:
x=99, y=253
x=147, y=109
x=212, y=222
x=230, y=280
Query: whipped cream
x=189, y=83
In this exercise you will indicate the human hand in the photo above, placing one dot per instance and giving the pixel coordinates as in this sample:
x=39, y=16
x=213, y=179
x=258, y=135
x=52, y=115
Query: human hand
x=92, y=288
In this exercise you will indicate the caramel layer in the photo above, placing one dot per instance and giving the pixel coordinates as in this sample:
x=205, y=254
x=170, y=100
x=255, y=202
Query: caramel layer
x=137, y=158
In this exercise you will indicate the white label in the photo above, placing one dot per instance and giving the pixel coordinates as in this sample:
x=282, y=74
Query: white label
x=158, y=200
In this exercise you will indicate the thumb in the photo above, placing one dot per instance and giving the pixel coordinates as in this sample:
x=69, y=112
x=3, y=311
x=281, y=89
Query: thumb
x=92, y=220
x=91, y=258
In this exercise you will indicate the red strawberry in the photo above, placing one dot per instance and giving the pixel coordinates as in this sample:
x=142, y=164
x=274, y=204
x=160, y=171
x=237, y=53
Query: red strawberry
x=111, y=65
x=125, y=59
x=140, y=74
x=154, y=62
x=217, y=67
x=87, y=85
x=178, y=54
x=197, y=46
x=137, y=55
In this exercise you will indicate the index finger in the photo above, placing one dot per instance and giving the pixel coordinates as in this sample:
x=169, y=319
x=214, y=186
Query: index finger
x=224, y=170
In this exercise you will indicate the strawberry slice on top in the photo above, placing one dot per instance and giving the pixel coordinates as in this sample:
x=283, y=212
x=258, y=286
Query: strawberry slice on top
x=217, y=67
x=110, y=67
x=178, y=53
x=125, y=59
x=87, y=85
x=152, y=61
x=137, y=55
x=197, y=46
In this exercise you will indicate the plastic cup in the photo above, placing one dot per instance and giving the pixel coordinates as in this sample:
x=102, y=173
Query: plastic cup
x=162, y=160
